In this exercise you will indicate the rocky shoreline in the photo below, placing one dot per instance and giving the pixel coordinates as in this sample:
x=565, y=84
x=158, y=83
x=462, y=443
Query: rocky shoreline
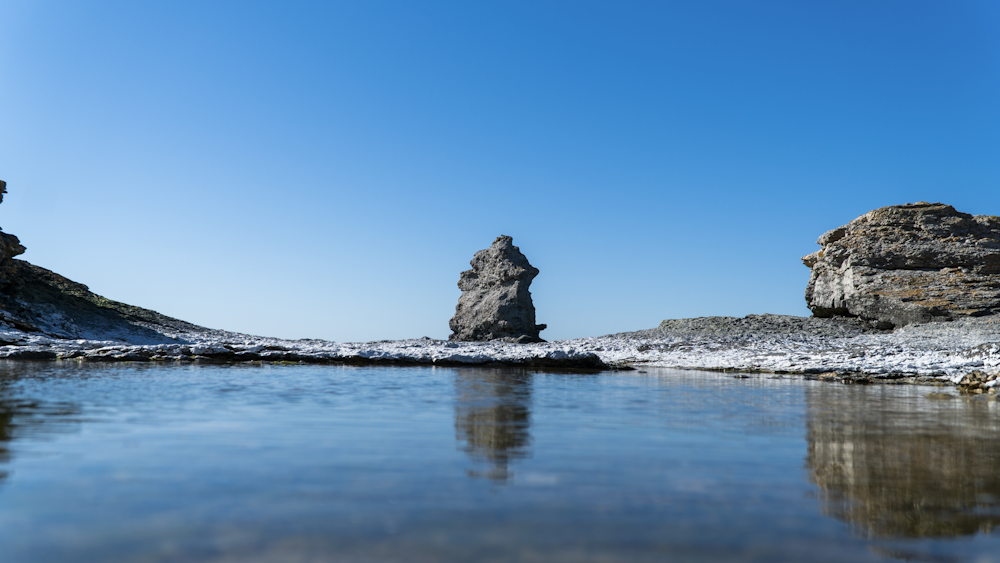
x=837, y=349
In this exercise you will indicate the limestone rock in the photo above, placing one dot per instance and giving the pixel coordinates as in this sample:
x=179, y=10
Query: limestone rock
x=495, y=302
x=912, y=263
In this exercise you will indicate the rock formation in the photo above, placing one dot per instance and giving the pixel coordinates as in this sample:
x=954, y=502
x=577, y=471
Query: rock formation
x=912, y=263
x=495, y=302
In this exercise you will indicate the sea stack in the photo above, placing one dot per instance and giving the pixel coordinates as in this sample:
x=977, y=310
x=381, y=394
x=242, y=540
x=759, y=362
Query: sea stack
x=902, y=264
x=495, y=302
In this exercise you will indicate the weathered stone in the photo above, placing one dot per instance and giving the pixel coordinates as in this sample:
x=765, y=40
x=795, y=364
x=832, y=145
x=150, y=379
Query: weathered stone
x=912, y=263
x=495, y=302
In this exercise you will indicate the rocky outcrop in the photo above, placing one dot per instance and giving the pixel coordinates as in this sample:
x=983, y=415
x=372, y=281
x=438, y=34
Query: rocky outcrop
x=912, y=263
x=40, y=301
x=495, y=302
x=10, y=247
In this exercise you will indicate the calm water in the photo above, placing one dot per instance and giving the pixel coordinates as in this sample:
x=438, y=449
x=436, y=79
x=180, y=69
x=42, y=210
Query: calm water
x=145, y=463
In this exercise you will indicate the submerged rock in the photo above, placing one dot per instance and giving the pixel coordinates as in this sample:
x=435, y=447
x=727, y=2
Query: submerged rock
x=903, y=264
x=495, y=302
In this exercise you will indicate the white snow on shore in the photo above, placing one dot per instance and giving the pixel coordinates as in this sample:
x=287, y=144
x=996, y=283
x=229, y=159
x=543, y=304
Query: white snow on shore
x=944, y=350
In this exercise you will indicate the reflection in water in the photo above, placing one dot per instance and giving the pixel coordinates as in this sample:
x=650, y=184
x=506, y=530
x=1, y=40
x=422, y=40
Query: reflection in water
x=6, y=435
x=905, y=466
x=492, y=416
x=22, y=417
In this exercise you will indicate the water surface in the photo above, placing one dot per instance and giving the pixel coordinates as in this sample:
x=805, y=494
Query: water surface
x=277, y=463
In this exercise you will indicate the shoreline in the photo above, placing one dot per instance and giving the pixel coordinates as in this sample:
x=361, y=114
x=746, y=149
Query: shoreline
x=840, y=349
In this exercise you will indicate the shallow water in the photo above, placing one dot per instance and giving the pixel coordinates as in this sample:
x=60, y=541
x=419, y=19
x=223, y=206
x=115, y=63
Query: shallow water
x=277, y=463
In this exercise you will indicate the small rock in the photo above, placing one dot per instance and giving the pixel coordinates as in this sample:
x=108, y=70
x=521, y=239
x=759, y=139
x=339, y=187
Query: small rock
x=976, y=382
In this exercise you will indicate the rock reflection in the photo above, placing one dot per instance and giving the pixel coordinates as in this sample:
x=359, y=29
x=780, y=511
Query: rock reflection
x=22, y=418
x=6, y=435
x=895, y=463
x=492, y=418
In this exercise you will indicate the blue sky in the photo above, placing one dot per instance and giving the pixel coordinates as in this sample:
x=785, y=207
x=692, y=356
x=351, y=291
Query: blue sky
x=326, y=169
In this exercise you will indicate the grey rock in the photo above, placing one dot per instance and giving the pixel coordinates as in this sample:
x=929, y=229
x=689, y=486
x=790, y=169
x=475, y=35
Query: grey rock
x=903, y=264
x=495, y=302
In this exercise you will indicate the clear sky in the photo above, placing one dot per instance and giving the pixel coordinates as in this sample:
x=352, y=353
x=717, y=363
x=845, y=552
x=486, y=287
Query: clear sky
x=326, y=169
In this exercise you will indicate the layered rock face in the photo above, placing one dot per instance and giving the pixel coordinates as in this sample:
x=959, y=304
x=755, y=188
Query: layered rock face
x=495, y=302
x=903, y=264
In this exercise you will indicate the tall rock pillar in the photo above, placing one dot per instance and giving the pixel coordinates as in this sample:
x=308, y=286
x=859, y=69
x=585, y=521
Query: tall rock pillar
x=495, y=302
